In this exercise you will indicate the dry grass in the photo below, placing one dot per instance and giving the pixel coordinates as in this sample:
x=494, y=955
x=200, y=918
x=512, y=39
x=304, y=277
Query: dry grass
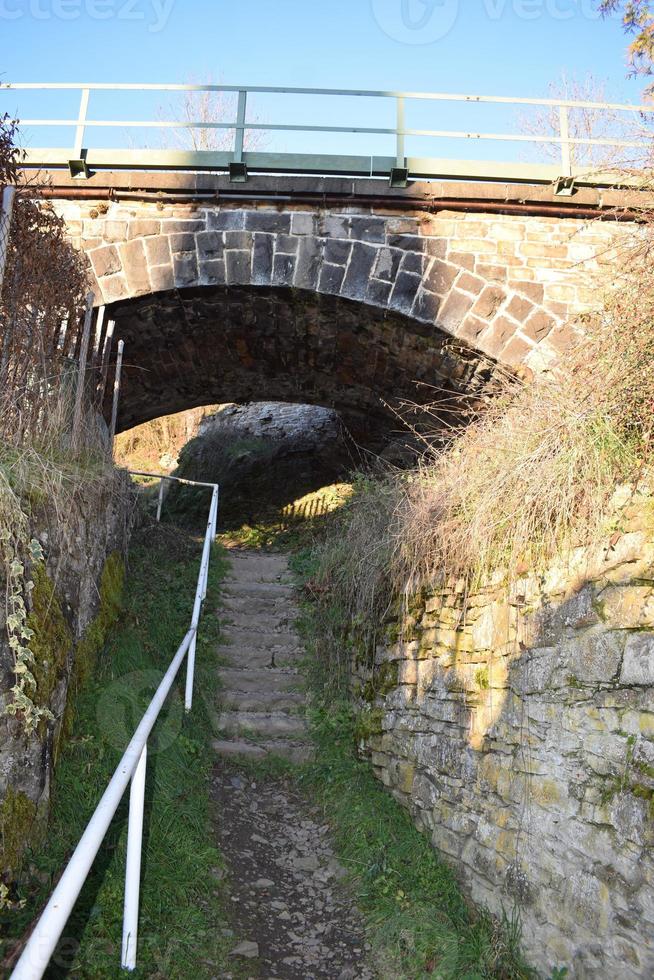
x=531, y=475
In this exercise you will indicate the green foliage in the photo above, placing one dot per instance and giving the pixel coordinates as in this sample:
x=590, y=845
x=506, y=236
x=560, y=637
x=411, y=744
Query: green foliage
x=51, y=642
x=17, y=814
x=182, y=910
x=638, y=21
x=95, y=635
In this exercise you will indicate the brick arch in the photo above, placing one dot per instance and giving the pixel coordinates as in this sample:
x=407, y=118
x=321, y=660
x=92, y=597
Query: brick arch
x=459, y=273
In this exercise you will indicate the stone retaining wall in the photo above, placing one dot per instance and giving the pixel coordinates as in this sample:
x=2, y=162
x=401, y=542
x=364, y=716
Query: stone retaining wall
x=518, y=728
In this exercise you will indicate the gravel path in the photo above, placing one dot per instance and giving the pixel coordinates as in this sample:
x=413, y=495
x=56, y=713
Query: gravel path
x=290, y=902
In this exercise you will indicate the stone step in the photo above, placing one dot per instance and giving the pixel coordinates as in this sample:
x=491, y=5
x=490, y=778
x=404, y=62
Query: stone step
x=260, y=724
x=244, y=640
x=259, y=679
x=258, y=590
x=263, y=700
x=258, y=568
x=259, y=620
x=261, y=658
x=293, y=751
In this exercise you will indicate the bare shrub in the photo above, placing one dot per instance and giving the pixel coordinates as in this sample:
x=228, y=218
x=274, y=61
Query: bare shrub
x=533, y=474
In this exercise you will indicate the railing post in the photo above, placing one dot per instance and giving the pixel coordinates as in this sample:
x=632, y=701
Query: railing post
x=566, y=157
x=8, y=197
x=160, y=500
x=106, y=353
x=133, y=863
x=399, y=134
x=114, y=407
x=81, y=121
x=239, y=136
x=81, y=371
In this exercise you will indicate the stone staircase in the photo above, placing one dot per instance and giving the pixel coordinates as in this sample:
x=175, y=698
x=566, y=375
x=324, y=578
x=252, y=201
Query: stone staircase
x=262, y=700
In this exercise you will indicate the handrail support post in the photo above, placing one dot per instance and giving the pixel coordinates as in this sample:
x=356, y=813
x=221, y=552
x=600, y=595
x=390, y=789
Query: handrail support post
x=133, y=863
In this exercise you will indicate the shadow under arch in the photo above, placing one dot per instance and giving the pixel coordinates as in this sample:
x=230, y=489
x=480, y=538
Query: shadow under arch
x=213, y=344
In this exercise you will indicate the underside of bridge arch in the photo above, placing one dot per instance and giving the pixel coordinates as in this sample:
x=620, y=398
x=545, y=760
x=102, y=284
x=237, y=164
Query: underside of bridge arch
x=198, y=346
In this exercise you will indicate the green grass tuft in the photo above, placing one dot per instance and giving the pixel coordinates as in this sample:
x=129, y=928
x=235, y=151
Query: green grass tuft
x=182, y=900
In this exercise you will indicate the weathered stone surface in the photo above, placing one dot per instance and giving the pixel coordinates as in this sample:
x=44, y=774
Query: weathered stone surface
x=499, y=264
x=638, y=663
x=523, y=744
x=105, y=260
x=132, y=257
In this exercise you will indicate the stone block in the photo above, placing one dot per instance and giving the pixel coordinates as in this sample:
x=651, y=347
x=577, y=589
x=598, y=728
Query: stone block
x=287, y=244
x=238, y=266
x=274, y=222
x=414, y=262
x=238, y=240
x=135, y=267
x=516, y=351
x=181, y=227
x=283, y=269
x=426, y=306
x=454, y=311
x=387, y=264
x=210, y=244
x=309, y=261
x=638, y=661
x=463, y=260
x=303, y=223
x=212, y=272
x=441, y=277
x=378, y=292
x=358, y=272
x=262, y=258
x=367, y=229
x=408, y=243
x=538, y=326
x=404, y=292
x=471, y=283
x=627, y=606
x=113, y=231
x=489, y=302
x=185, y=270
x=533, y=291
x=105, y=260
x=162, y=277
x=157, y=250
x=228, y=220
x=594, y=657
x=184, y=242
x=331, y=278
x=335, y=226
x=114, y=288
x=337, y=252
x=520, y=308
x=498, y=335
x=143, y=227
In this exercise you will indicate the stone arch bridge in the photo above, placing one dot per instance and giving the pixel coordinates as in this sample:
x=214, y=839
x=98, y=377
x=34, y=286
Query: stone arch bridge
x=335, y=291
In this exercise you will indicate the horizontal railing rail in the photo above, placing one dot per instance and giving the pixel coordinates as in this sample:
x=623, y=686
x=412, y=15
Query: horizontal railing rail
x=131, y=770
x=238, y=160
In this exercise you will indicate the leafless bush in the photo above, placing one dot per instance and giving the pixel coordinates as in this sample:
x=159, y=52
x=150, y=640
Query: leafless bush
x=610, y=126
x=45, y=284
x=533, y=474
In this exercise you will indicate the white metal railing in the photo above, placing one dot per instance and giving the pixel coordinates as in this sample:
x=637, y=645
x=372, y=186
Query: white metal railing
x=311, y=162
x=131, y=769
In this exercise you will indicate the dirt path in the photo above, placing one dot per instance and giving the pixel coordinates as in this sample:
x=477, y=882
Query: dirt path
x=286, y=886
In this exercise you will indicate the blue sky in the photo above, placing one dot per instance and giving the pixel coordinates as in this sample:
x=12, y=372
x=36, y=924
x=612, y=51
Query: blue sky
x=495, y=47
